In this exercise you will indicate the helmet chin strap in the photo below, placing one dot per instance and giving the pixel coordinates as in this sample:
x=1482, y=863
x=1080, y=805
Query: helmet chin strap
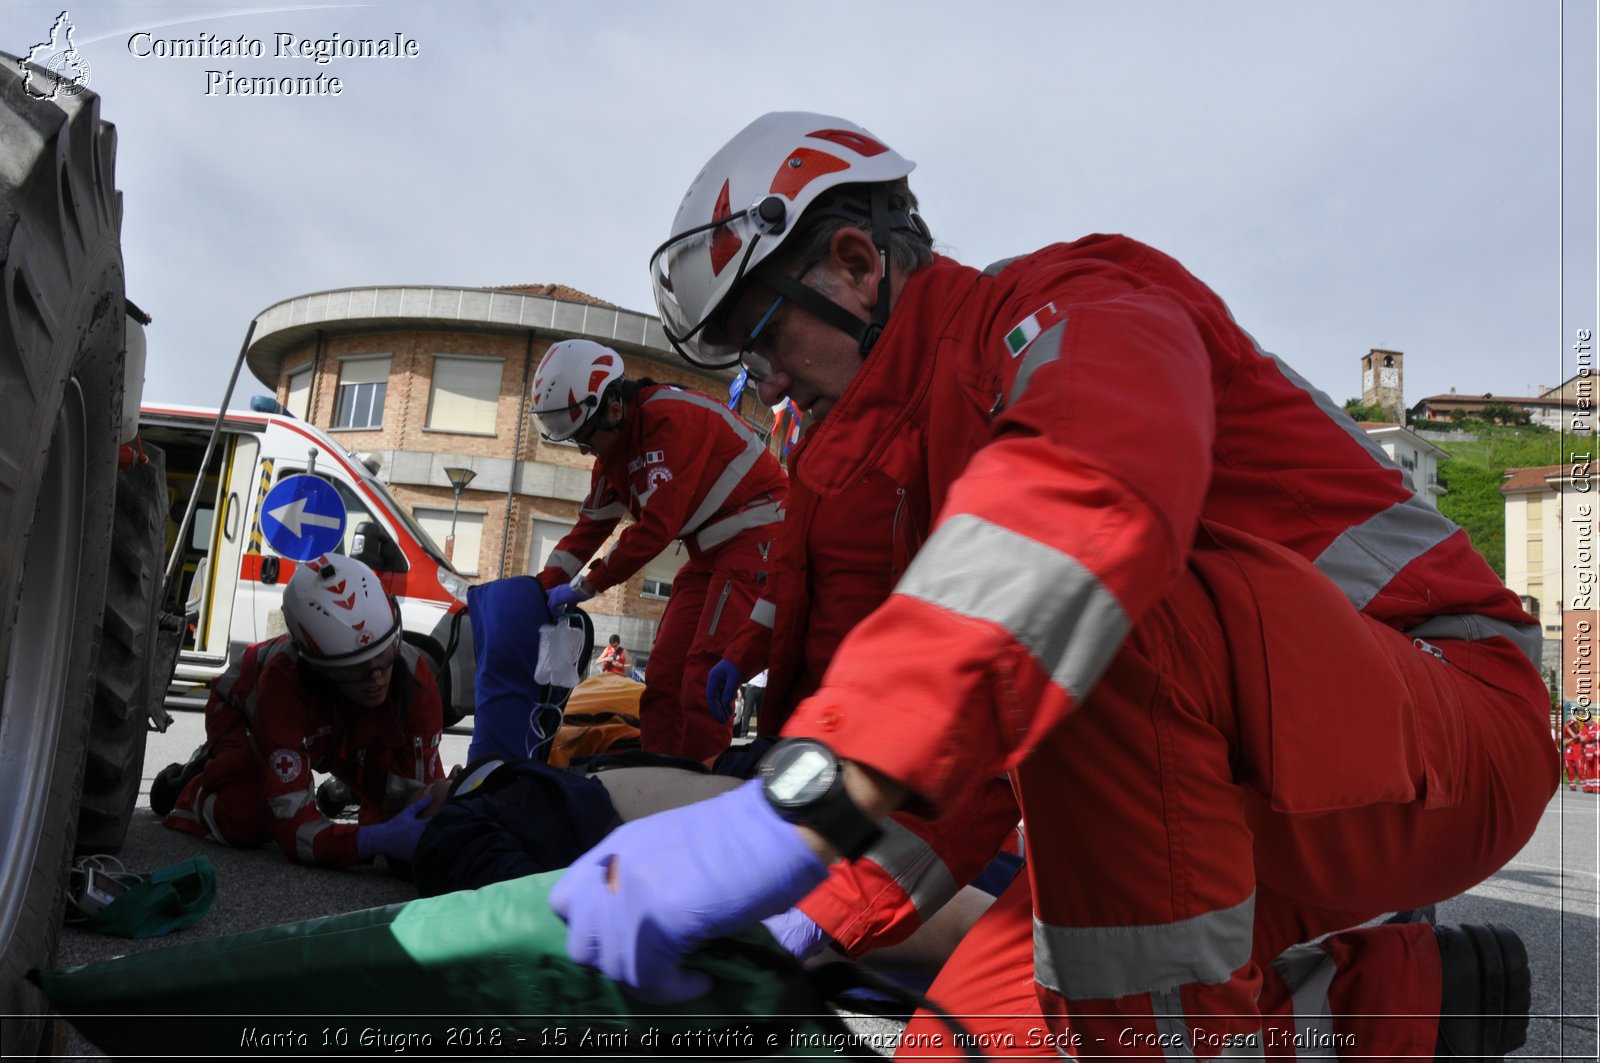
x=865, y=333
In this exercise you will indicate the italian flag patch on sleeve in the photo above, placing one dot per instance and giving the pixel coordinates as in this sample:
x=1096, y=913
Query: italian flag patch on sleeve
x=1024, y=332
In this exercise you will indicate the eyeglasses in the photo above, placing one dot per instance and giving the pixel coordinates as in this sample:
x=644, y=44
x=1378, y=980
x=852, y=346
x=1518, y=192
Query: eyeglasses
x=756, y=367
x=359, y=673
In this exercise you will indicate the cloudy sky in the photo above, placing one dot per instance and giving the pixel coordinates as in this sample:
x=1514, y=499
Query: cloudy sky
x=1346, y=175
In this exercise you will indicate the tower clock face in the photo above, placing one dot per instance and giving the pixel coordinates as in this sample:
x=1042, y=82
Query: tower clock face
x=1389, y=378
x=1366, y=380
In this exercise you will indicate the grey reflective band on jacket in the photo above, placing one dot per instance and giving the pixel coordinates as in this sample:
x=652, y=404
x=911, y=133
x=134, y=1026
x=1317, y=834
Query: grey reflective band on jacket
x=914, y=866
x=764, y=613
x=993, y=269
x=263, y=657
x=1366, y=557
x=755, y=516
x=1047, y=600
x=1104, y=962
x=566, y=562
x=614, y=511
x=732, y=475
x=1308, y=971
x=1045, y=348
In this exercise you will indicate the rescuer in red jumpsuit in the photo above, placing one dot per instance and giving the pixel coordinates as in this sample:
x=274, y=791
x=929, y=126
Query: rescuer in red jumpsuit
x=687, y=469
x=342, y=694
x=1247, y=688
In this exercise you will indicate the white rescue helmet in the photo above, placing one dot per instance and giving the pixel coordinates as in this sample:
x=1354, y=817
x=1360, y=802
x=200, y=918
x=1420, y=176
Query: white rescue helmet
x=567, y=387
x=338, y=613
x=741, y=208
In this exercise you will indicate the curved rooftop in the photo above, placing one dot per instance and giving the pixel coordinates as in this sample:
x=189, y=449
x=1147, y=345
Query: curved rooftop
x=286, y=325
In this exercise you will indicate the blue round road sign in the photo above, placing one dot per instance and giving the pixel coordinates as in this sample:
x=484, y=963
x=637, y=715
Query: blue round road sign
x=303, y=517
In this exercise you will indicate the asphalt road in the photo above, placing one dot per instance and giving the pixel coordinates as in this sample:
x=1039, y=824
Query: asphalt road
x=1550, y=894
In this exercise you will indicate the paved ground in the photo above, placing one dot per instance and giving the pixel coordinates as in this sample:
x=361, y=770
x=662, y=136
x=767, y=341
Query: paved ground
x=1548, y=894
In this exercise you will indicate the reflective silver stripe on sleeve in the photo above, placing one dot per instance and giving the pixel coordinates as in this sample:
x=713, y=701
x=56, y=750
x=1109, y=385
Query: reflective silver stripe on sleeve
x=749, y=517
x=1366, y=556
x=994, y=268
x=1103, y=962
x=914, y=866
x=615, y=511
x=305, y=840
x=1308, y=971
x=764, y=612
x=1045, y=348
x=566, y=562
x=287, y=806
x=1529, y=638
x=737, y=469
x=1047, y=600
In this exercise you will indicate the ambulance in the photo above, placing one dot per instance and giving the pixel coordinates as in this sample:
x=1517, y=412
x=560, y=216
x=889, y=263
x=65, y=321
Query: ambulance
x=230, y=580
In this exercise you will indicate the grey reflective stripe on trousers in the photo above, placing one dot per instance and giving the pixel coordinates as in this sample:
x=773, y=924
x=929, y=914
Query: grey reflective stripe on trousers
x=305, y=840
x=736, y=470
x=1308, y=971
x=1105, y=962
x=914, y=866
x=287, y=806
x=1047, y=600
x=1365, y=557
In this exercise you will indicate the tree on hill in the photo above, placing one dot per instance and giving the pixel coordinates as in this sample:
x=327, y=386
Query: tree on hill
x=1360, y=412
x=1475, y=472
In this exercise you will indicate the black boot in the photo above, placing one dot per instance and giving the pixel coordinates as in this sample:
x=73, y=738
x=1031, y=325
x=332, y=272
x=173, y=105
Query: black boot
x=170, y=781
x=1488, y=991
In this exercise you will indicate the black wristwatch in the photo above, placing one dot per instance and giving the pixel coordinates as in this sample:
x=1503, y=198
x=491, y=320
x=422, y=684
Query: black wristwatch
x=802, y=781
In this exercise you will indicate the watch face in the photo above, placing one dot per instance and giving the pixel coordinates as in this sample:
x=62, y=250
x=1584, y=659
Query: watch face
x=801, y=777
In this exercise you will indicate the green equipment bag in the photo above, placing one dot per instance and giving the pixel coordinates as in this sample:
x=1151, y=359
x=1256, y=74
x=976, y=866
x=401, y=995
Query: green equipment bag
x=477, y=972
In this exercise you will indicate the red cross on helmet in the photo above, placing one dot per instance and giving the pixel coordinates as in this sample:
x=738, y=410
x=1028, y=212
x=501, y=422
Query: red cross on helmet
x=741, y=208
x=338, y=613
x=568, y=385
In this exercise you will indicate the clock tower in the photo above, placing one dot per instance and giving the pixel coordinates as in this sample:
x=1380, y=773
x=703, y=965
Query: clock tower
x=1383, y=383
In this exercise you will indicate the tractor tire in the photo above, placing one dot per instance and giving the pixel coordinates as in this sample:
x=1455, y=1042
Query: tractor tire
x=61, y=388
x=132, y=676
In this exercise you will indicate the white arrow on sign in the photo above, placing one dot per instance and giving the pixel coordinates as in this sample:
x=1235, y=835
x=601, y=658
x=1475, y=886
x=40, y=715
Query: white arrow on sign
x=293, y=515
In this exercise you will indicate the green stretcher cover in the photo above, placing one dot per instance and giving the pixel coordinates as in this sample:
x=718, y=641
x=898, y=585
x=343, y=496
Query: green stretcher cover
x=478, y=972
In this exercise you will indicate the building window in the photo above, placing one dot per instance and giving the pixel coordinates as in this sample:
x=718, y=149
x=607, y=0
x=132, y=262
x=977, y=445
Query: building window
x=363, y=383
x=299, y=397
x=546, y=534
x=659, y=572
x=469, y=536
x=466, y=392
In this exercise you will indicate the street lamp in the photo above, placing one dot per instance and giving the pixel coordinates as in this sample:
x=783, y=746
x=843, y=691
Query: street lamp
x=459, y=479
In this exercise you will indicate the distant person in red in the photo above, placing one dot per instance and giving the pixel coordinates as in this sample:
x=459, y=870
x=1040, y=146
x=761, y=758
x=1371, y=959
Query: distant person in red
x=342, y=694
x=1572, y=752
x=686, y=468
x=614, y=659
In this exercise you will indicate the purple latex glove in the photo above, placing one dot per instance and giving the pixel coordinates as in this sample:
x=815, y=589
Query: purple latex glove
x=564, y=597
x=397, y=836
x=656, y=888
x=796, y=932
x=721, y=685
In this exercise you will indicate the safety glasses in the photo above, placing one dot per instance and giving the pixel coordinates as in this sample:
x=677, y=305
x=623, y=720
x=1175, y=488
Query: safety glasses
x=360, y=673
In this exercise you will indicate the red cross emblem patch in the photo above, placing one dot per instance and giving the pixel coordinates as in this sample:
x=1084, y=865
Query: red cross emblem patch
x=286, y=764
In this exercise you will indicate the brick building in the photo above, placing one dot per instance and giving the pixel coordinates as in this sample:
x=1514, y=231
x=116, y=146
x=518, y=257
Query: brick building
x=426, y=378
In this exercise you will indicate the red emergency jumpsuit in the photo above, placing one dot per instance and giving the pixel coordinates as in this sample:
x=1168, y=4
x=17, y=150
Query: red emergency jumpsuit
x=1572, y=753
x=1591, y=757
x=686, y=468
x=1247, y=687
x=272, y=722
